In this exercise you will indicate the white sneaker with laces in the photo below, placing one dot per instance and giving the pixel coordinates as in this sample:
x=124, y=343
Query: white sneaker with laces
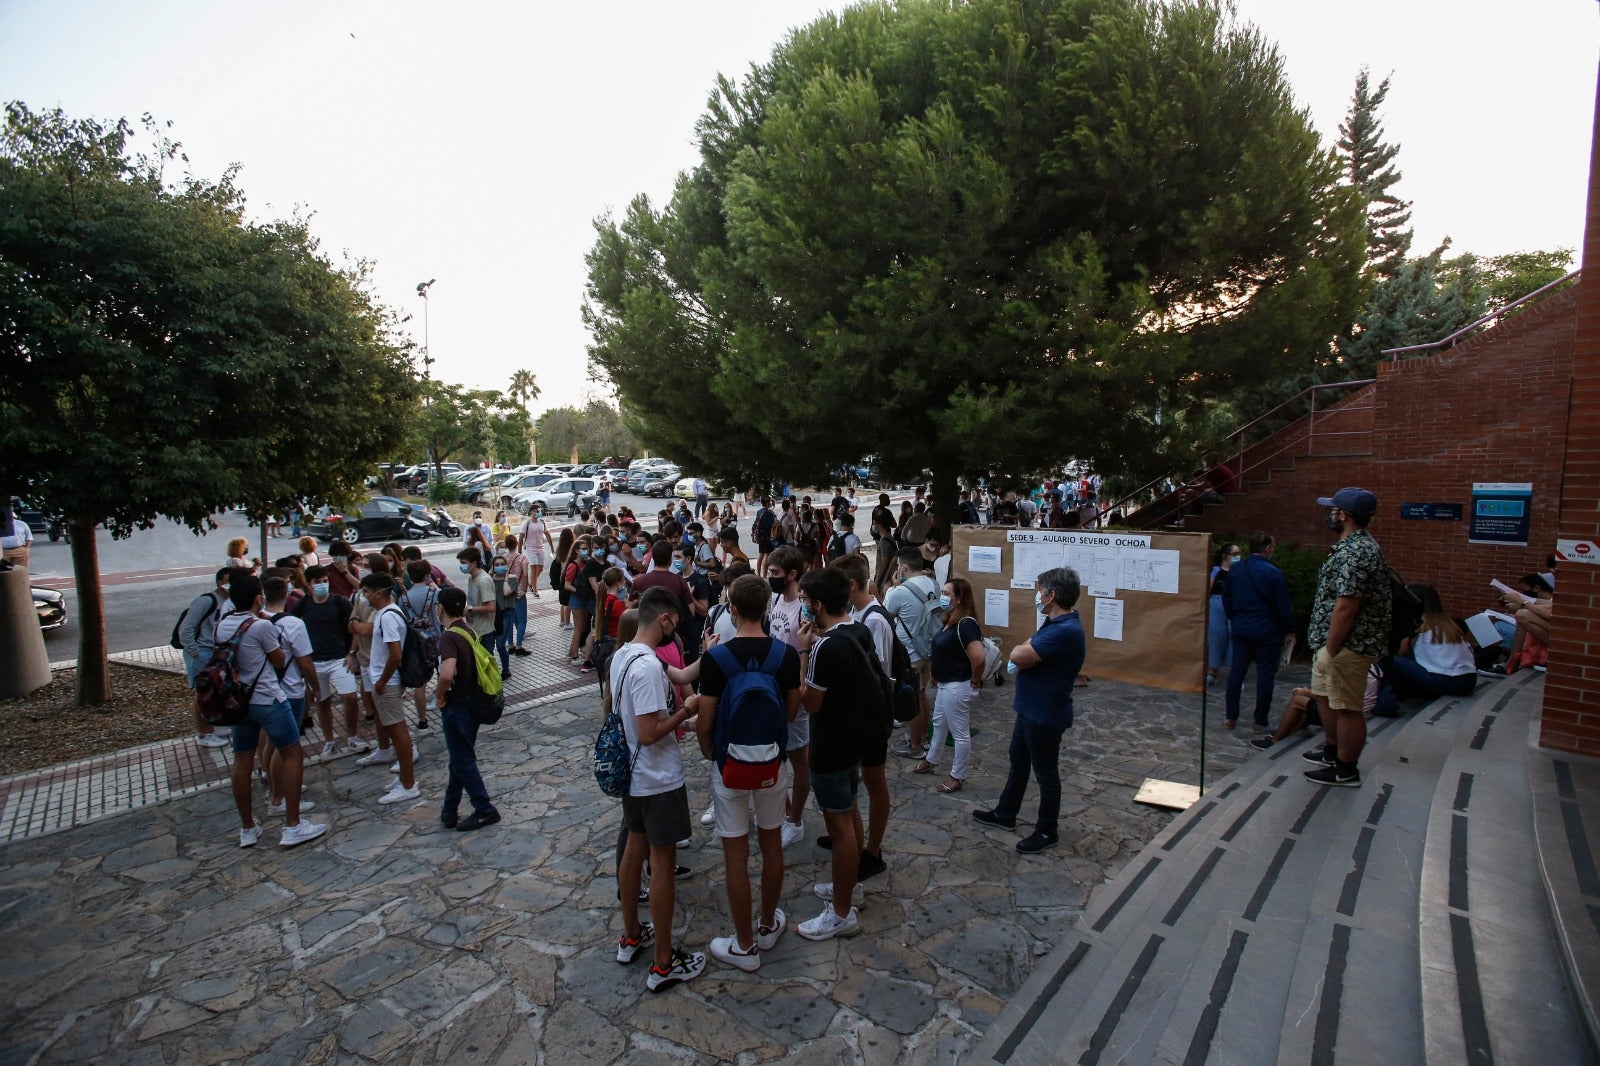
x=793, y=834
x=767, y=936
x=358, y=744
x=415, y=752
x=248, y=837
x=299, y=834
x=725, y=949
x=824, y=890
x=374, y=757
x=828, y=925
x=281, y=807
x=328, y=749
x=211, y=740
x=398, y=793
x=710, y=817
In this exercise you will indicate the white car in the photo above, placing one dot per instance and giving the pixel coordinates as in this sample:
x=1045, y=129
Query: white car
x=656, y=463
x=563, y=496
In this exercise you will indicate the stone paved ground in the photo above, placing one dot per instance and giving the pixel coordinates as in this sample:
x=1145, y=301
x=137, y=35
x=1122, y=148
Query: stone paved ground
x=151, y=937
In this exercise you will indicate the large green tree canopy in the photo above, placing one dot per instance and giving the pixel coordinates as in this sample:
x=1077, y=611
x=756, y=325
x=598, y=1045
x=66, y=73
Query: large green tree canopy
x=973, y=237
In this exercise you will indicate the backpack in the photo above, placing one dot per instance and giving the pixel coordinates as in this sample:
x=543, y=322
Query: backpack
x=994, y=664
x=613, y=763
x=426, y=629
x=765, y=520
x=488, y=703
x=1405, y=611
x=836, y=549
x=416, y=667
x=174, y=640
x=880, y=696
x=752, y=724
x=903, y=697
x=222, y=697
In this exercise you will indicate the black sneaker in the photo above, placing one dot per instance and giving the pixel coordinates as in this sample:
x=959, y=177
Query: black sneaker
x=1261, y=743
x=685, y=966
x=475, y=820
x=1497, y=670
x=449, y=821
x=628, y=947
x=991, y=818
x=825, y=842
x=1036, y=842
x=1319, y=756
x=1332, y=775
x=871, y=866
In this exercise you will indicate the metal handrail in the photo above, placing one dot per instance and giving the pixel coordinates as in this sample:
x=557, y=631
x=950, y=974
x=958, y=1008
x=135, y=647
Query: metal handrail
x=1450, y=341
x=1310, y=390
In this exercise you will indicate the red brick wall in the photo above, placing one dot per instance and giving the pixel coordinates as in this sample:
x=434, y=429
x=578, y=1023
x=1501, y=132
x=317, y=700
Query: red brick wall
x=1571, y=719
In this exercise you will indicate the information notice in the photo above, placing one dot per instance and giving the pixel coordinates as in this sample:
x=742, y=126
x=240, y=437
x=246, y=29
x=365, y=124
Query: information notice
x=1105, y=562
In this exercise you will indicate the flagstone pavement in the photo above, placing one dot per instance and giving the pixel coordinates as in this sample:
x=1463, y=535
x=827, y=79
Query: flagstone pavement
x=150, y=937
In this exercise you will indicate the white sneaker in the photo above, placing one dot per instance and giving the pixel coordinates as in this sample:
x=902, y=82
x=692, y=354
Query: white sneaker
x=725, y=949
x=398, y=793
x=328, y=749
x=793, y=834
x=281, y=807
x=299, y=834
x=211, y=740
x=248, y=837
x=358, y=744
x=824, y=890
x=431, y=704
x=710, y=817
x=415, y=751
x=828, y=925
x=767, y=936
x=373, y=757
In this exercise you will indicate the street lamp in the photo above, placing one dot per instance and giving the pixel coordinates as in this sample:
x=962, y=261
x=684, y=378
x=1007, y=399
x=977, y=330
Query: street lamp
x=427, y=354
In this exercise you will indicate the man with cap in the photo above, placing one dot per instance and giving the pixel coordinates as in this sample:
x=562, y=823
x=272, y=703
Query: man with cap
x=1349, y=631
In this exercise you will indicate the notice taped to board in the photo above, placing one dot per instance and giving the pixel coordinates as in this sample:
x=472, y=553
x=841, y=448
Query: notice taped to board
x=1105, y=562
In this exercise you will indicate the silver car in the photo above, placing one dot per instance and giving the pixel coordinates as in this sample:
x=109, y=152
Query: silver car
x=567, y=495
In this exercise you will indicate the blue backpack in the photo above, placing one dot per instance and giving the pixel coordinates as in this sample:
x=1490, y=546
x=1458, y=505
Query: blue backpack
x=613, y=761
x=752, y=726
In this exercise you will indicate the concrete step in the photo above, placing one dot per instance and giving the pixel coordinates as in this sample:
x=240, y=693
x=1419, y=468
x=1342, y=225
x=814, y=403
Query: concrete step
x=1492, y=982
x=1187, y=955
x=1564, y=791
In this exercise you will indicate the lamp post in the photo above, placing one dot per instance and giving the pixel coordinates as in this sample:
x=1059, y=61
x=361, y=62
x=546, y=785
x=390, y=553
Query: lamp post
x=427, y=354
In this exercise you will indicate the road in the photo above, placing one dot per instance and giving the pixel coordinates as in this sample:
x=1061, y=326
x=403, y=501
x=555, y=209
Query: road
x=150, y=578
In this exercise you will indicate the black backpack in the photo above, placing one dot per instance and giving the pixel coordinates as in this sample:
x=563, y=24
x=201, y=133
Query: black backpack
x=1405, y=612
x=880, y=693
x=904, y=699
x=836, y=549
x=174, y=641
x=416, y=666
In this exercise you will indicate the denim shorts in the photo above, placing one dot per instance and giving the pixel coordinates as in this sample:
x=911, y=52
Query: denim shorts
x=836, y=792
x=193, y=663
x=279, y=722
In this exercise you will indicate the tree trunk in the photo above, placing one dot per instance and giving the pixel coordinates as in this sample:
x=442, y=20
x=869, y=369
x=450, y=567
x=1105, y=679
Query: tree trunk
x=944, y=492
x=94, y=672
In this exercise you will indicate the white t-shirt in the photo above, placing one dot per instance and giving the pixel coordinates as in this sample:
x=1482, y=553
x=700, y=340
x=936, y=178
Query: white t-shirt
x=296, y=642
x=882, y=632
x=726, y=626
x=639, y=687
x=390, y=625
x=784, y=616
x=20, y=536
x=1451, y=660
x=941, y=570
x=250, y=662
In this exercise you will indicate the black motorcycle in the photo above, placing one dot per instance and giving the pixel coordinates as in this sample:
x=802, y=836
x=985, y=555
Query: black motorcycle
x=421, y=524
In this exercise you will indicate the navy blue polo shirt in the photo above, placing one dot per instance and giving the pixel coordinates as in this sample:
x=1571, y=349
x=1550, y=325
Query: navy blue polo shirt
x=1044, y=692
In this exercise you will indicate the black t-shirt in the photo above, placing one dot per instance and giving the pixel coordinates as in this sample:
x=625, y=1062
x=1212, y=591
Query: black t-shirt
x=328, y=626
x=841, y=726
x=949, y=659
x=593, y=570
x=746, y=650
x=840, y=505
x=452, y=645
x=689, y=627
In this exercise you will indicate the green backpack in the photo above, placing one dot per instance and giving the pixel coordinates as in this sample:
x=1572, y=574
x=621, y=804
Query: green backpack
x=488, y=703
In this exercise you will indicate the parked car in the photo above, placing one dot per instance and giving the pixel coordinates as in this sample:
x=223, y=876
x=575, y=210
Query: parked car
x=51, y=607
x=562, y=495
x=490, y=489
x=654, y=462
x=684, y=489
x=39, y=520
x=523, y=483
x=659, y=483
x=586, y=470
x=380, y=518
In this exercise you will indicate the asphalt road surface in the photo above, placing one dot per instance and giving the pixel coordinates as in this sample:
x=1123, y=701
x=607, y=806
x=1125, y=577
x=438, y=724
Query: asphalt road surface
x=149, y=578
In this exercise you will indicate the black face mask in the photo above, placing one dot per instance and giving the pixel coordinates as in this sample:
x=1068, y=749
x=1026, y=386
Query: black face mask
x=778, y=584
x=666, y=638
x=1332, y=522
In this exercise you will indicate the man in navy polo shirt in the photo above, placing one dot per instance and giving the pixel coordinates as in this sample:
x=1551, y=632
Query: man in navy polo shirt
x=1045, y=668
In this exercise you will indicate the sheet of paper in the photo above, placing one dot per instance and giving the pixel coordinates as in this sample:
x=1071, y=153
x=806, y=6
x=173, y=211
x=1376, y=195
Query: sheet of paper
x=997, y=608
x=1483, y=631
x=1030, y=560
x=1149, y=570
x=1514, y=595
x=1108, y=619
x=983, y=560
x=1096, y=567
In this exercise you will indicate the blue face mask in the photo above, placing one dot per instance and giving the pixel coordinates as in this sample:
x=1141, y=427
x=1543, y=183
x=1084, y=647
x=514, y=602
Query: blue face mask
x=320, y=589
x=677, y=566
x=500, y=571
x=1038, y=602
x=944, y=603
x=638, y=551
x=583, y=553
x=1011, y=668
x=466, y=569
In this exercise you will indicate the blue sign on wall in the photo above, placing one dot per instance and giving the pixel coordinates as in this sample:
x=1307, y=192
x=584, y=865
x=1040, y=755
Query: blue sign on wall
x=1501, y=513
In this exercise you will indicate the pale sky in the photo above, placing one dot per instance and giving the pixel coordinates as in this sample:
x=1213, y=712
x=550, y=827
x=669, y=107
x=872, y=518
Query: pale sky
x=476, y=144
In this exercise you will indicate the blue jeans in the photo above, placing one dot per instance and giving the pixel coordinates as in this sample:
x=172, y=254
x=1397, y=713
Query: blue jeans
x=520, y=619
x=1264, y=652
x=1036, y=749
x=499, y=639
x=460, y=740
x=1410, y=679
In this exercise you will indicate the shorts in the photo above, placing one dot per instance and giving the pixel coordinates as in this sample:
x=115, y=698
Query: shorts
x=297, y=707
x=1342, y=679
x=535, y=558
x=924, y=668
x=662, y=818
x=582, y=603
x=334, y=676
x=800, y=731
x=734, y=806
x=193, y=663
x=765, y=546
x=276, y=719
x=391, y=704
x=836, y=792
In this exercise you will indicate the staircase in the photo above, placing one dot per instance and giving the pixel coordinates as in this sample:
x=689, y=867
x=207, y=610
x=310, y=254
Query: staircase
x=1436, y=914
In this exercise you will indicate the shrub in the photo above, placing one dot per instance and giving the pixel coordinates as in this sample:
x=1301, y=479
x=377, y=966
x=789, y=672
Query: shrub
x=443, y=491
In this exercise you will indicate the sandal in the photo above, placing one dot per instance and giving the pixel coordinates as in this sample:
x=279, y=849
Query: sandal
x=923, y=767
x=947, y=787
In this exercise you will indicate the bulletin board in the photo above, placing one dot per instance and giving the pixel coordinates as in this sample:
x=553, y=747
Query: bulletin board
x=1149, y=589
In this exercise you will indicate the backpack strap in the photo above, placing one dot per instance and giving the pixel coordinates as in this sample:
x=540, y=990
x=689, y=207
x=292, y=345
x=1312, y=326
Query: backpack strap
x=774, y=660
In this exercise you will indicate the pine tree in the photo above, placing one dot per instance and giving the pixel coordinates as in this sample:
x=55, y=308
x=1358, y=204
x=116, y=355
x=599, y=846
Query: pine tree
x=1370, y=168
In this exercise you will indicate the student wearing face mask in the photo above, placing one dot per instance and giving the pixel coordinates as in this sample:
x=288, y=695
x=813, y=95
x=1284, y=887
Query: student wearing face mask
x=1044, y=668
x=580, y=596
x=327, y=622
x=481, y=606
x=505, y=598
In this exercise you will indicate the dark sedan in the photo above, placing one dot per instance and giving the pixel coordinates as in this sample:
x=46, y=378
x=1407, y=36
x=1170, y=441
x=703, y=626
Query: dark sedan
x=380, y=518
x=51, y=607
